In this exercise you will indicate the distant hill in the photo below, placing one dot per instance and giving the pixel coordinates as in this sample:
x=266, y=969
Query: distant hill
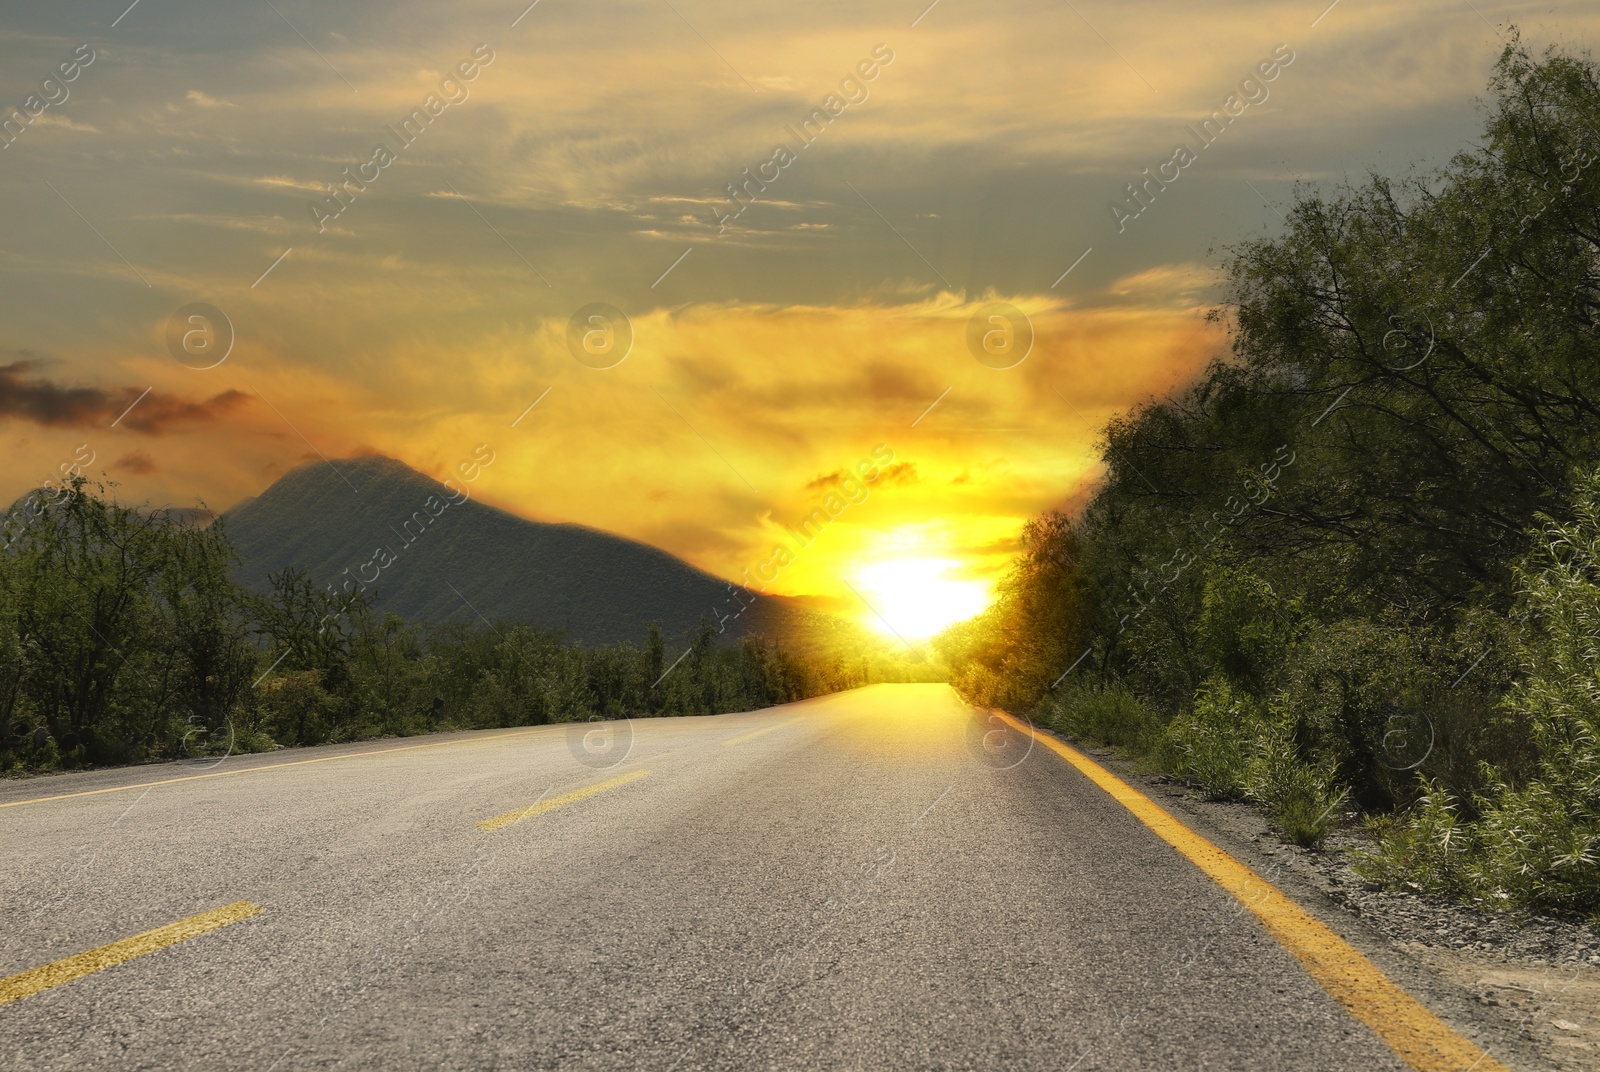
x=465, y=559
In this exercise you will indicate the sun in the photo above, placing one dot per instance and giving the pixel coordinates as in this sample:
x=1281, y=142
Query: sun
x=913, y=599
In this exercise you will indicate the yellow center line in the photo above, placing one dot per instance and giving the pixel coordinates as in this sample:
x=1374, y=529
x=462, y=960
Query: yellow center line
x=752, y=736
x=267, y=767
x=1415, y=1034
x=542, y=806
x=46, y=976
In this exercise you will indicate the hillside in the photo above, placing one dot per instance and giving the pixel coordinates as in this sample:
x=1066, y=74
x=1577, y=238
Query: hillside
x=465, y=559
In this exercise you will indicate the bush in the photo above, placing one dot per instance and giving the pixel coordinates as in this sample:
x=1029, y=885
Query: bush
x=1300, y=796
x=1107, y=712
x=1536, y=843
x=1245, y=628
x=1232, y=747
x=1210, y=747
x=294, y=708
x=1422, y=850
x=1541, y=842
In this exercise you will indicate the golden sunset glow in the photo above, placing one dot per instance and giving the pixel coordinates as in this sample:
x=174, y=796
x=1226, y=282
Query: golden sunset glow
x=914, y=598
x=782, y=326
x=914, y=580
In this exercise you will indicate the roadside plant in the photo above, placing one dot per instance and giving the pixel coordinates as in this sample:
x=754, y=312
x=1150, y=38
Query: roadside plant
x=1211, y=746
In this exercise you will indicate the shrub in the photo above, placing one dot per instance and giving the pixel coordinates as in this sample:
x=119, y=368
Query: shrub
x=294, y=708
x=1108, y=712
x=1210, y=746
x=1422, y=850
x=1302, y=797
x=1541, y=843
x=1535, y=843
x=1233, y=747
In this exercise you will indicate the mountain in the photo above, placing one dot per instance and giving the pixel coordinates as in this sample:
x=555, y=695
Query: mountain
x=450, y=557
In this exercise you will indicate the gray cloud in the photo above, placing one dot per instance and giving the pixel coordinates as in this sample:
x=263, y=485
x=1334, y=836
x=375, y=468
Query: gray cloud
x=47, y=403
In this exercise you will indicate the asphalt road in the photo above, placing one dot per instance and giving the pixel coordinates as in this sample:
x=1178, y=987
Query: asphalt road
x=853, y=882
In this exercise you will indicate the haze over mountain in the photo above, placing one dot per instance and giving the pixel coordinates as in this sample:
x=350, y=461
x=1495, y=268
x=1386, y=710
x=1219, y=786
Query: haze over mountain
x=453, y=558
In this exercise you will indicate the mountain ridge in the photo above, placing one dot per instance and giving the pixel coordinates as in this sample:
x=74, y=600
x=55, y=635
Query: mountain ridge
x=430, y=552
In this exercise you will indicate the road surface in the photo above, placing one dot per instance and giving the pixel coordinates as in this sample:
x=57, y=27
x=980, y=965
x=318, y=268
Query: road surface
x=852, y=882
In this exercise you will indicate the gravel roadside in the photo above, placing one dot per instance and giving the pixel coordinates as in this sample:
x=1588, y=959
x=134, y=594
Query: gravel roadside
x=1525, y=989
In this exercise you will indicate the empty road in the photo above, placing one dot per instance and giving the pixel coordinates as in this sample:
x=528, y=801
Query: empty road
x=853, y=882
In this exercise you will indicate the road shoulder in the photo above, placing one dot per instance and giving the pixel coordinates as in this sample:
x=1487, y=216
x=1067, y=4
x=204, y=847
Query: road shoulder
x=1528, y=993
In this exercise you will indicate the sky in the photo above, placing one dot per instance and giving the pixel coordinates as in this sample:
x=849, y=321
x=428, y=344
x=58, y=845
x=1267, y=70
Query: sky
x=413, y=291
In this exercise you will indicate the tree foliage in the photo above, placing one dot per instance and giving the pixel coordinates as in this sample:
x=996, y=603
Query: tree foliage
x=1006, y=655
x=1298, y=573
x=124, y=638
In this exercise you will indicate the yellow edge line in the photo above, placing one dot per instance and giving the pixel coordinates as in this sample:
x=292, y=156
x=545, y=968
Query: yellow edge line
x=1415, y=1034
x=542, y=806
x=266, y=767
x=46, y=976
x=752, y=736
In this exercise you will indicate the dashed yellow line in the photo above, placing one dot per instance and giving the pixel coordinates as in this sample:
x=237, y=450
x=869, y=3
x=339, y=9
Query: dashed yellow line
x=66, y=970
x=266, y=767
x=542, y=806
x=1415, y=1034
x=752, y=736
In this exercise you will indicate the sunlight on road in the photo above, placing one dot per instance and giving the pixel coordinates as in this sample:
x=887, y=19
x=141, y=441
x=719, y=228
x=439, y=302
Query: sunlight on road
x=900, y=723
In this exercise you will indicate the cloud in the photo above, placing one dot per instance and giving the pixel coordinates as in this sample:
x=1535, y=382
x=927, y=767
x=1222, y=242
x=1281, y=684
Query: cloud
x=888, y=476
x=826, y=480
x=898, y=473
x=205, y=100
x=136, y=463
x=51, y=119
x=158, y=414
x=289, y=183
x=47, y=403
